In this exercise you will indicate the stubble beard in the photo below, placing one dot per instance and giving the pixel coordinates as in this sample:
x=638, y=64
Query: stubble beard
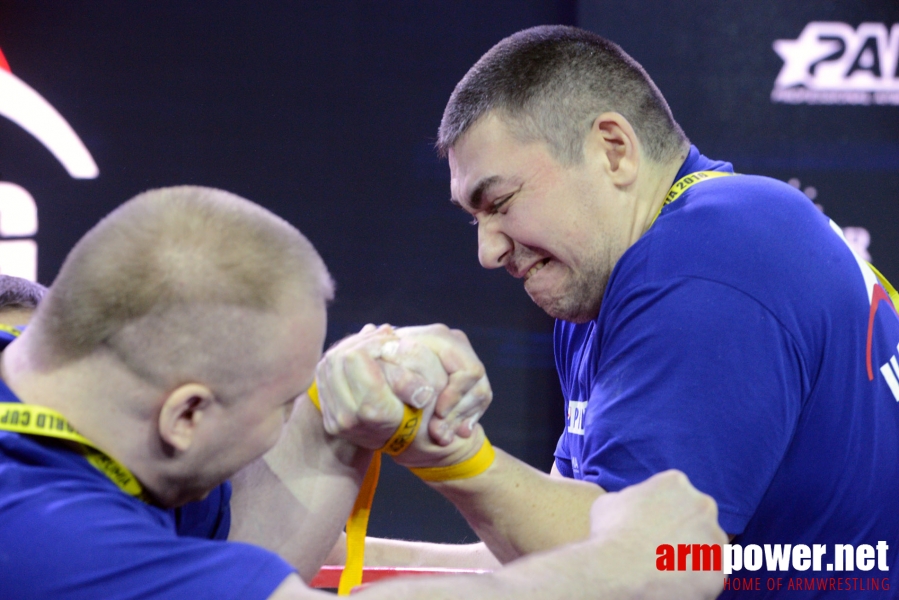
x=581, y=296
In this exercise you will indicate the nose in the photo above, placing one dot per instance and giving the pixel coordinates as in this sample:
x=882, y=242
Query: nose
x=494, y=246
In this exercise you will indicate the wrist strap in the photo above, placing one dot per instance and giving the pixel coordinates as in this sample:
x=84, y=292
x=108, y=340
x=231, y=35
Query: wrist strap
x=471, y=467
x=401, y=438
x=357, y=524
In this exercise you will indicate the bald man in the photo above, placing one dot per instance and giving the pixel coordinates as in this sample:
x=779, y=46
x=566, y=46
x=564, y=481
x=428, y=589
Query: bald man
x=167, y=357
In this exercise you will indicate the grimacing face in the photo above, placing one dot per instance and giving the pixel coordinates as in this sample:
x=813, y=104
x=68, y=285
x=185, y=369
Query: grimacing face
x=559, y=228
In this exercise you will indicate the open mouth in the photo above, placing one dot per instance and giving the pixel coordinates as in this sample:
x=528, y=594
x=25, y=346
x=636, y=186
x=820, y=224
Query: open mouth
x=535, y=268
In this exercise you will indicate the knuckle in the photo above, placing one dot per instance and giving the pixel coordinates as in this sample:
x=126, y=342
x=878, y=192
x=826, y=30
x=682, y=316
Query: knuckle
x=458, y=334
x=374, y=413
x=330, y=428
x=345, y=421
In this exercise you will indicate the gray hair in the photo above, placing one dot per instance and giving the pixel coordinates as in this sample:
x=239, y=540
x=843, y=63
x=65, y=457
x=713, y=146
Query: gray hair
x=18, y=293
x=549, y=83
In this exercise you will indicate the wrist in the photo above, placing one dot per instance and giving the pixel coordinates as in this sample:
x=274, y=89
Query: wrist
x=335, y=454
x=423, y=453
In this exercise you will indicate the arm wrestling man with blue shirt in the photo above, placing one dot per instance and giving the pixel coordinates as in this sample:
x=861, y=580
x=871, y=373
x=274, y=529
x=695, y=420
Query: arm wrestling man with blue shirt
x=705, y=321
x=167, y=357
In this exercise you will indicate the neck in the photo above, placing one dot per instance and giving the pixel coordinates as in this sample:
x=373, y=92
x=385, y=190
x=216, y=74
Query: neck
x=101, y=399
x=653, y=189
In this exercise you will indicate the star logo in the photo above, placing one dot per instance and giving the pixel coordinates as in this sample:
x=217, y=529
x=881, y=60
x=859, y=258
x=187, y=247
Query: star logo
x=834, y=63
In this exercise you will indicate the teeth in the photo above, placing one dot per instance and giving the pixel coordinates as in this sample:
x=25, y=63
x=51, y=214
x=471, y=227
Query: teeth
x=535, y=268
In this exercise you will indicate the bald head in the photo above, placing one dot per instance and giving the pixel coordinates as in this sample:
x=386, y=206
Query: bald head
x=175, y=277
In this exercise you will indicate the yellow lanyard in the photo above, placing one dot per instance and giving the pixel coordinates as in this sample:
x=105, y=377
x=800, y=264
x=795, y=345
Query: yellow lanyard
x=687, y=181
x=31, y=419
x=46, y=422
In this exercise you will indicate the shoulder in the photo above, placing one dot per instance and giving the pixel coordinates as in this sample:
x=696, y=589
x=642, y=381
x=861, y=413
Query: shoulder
x=754, y=234
x=736, y=215
x=209, y=518
x=65, y=529
x=46, y=484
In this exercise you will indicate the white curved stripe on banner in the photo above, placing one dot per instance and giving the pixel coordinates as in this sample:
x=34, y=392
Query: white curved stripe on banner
x=24, y=106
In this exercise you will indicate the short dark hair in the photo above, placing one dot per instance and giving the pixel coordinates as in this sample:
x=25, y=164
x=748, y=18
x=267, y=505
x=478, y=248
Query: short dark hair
x=16, y=292
x=550, y=83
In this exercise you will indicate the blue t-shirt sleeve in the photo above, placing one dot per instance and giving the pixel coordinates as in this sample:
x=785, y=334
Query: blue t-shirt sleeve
x=563, y=457
x=80, y=542
x=209, y=518
x=694, y=375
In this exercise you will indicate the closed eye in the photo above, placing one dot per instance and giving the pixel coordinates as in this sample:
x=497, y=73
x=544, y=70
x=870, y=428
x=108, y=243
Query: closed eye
x=497, y=204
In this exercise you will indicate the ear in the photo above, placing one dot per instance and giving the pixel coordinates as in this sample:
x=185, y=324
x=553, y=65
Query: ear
x=182, y=412
x=614, y=142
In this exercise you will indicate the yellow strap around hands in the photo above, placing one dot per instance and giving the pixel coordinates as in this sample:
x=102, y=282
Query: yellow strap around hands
x=475, y=465
x=403, y=436
x=356, y=528
x=312, y=392
x=357, y=524
x=405, y=433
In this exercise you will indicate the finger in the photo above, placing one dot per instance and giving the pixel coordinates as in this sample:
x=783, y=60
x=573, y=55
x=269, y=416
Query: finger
x=468, y=411
x=410, y=387
x=467, y=393
x=421, y=375
x=379, y=412
x=340, y=403
x=463, y=417
x=334, y=395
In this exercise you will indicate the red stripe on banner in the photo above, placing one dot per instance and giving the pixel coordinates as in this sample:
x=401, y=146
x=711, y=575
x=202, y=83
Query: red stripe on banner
x=3, y=64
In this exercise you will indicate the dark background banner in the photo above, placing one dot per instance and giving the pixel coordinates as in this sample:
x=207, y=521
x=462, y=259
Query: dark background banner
x=326, y=113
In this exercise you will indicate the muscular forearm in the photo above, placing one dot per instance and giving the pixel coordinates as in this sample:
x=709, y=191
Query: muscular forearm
x=617, y=561
x=518, y=510
x=381, y=552
x=570, y=573
x=296, y=499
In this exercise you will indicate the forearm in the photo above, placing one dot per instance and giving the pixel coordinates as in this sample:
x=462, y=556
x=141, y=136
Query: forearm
x=569, y=573
x=516, y=509
x=381, y=552
x=295, y=500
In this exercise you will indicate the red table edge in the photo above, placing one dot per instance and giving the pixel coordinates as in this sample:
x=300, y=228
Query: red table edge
x=329, y=576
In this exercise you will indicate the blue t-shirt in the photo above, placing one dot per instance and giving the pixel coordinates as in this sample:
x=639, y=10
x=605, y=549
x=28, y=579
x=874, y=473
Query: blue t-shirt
x=67, y=531
x=733, y=344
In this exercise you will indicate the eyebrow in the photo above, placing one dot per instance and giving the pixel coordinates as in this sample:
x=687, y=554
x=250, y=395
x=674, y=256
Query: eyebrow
x=476, y=200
